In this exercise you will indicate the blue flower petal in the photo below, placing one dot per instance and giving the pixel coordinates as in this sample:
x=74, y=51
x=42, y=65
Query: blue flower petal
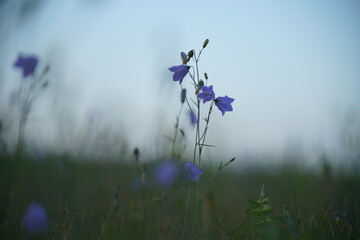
x=192, y=172
x=27, y=64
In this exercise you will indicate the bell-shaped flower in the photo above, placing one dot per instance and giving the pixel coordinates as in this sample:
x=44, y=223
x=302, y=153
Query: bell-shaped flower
x=224, y=104
x=192, y=172
x=180, y=72
x=27, y=64
x=207, y=94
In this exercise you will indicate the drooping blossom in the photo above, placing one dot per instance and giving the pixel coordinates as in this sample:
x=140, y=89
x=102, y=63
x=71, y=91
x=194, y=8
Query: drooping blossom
x=180, y=72
x=192, y=172
x=207, y=94
x=165, y=173
x=35, y=219
x=193, y=119
x=27, y=64
x=224, y=104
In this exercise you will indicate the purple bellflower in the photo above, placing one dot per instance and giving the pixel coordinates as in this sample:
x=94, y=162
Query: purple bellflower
x=207, y=94
x=224, y=104
x=192, y=172
x=35, y=219
x=179, y=72
x=193, y=119
x=165, y=173
x=27, y=64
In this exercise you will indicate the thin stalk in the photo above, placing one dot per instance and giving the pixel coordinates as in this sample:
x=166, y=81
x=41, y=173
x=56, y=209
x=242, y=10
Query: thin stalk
x=176, y=131
x=196, y=146
x=186, y=212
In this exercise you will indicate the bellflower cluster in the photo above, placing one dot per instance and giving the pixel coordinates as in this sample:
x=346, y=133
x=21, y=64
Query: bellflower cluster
x=223, y=103
x=166, y=173
x=204, y=93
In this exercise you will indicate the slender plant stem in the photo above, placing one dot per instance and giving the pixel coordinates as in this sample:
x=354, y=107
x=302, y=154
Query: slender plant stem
x=176, y=131
x=186, y=212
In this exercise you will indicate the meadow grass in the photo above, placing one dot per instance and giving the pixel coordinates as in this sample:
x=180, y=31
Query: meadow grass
x=108, y=200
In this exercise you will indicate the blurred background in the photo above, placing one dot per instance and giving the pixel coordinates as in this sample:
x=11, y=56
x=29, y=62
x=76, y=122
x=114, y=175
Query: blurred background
x=292, y=67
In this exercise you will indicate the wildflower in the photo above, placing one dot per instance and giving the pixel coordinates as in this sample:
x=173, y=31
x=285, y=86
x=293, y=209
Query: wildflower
x=165, y=173
x=193, y=119
x=35, y=219
x=207, y=94
x=192, y=172
x=224, y=104
x=27, y=64
x=179, y=72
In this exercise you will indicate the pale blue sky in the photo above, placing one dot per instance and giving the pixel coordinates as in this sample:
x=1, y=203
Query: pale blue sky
x=292, y=67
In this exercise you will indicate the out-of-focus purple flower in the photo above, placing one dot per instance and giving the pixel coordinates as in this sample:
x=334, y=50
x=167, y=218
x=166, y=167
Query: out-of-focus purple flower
x=192, y=172
x=224, y=104
x=207, y=94
x=35, y=219
x=179, y=72
x=165, y=173
x=27, y=64
x=193, y=119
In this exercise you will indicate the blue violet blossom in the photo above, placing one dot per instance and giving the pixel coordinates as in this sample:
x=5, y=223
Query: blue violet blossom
x=193, y=119
x=179, y=72
x=165, y=173
x=192, y=172
x=207, y=94
x=35, y=219
x=27, y=64
x=224, y=104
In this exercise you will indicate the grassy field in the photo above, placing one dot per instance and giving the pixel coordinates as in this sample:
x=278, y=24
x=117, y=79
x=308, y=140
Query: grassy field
x=93, y=200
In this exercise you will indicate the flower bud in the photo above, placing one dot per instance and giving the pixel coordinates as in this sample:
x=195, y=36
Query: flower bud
x=183, y=95
x=190, y=54
x=206, y=76
x=47, y=68
x=136, y=153
x=45, y=84
x=205, y=43
x=201, y=83
x=183, y=56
